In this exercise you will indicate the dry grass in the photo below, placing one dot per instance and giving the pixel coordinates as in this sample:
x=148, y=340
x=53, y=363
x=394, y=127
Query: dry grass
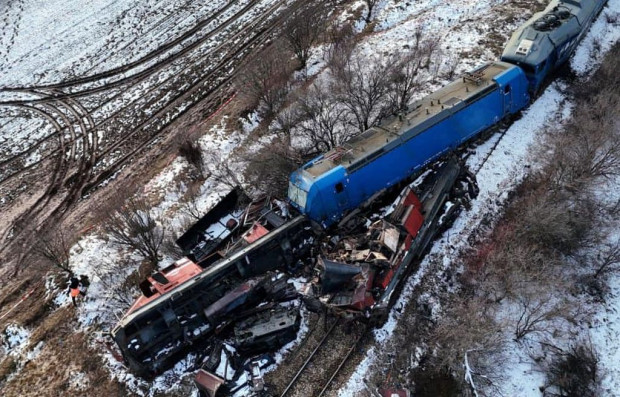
x=58, y=367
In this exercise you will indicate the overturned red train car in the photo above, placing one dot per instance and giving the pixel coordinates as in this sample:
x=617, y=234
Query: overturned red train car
x=183, y=304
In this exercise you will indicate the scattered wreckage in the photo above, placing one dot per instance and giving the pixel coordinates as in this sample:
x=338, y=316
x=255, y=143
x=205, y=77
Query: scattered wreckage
x=358, y=275
x=234, y=282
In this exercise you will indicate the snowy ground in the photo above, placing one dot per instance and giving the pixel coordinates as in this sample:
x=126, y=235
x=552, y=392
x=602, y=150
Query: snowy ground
x=459, y=26
x=66, y=38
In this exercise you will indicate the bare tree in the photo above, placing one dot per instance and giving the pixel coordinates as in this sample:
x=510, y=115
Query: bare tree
x=467, y=343
x=190, y=209
x=134, y=226
x=321, y=119
x=268, y=169
x=222, y=169
x=54, y=248
x=608, y=259
x=188, y=200
x=303, y=31
x=341, y=45
x=536, y=314
x=452, y=63
x=285, y=122
x=362, y=88
x=404, y=80
x=170, y=247
x=370, y=5
x=405, y=74
x=264, y=80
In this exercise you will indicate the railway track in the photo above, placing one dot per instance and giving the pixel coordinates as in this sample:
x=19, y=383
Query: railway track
x=322, y=357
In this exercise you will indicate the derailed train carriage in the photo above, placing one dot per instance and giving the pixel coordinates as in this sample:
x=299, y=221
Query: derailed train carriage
x=344, y=178
x=185, y=303
x=360, y=276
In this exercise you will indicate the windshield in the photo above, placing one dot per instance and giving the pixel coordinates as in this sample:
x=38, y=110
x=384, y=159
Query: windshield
x=297, y=196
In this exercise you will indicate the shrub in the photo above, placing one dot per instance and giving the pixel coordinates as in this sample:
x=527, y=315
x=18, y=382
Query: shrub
x=574, y=373
x=192, y=152
x=268, y=169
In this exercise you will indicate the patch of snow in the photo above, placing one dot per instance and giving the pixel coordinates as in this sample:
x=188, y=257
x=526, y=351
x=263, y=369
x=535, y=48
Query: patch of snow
x=102, y=261
x=250, y=122
x=78, y=381
x=34, y=353
x=15, y=339
x=602, y=36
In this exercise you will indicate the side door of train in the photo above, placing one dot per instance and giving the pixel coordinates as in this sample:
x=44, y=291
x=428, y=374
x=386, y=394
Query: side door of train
x=341, y=195
x=507, y=94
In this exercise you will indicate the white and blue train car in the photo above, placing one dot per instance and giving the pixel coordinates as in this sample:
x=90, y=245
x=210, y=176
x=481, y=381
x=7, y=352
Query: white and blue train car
x=340, y=180
x=548, y=39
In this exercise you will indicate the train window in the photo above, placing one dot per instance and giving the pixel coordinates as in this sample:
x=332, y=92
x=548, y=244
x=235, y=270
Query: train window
x=528, y=69
x=507, y=89
x=339, y=187
x=297, y=195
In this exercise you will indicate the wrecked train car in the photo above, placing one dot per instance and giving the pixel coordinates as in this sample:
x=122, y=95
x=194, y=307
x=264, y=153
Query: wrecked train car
x=233, y=223
x=360, y=276
x=267, y=330
x=183, y=304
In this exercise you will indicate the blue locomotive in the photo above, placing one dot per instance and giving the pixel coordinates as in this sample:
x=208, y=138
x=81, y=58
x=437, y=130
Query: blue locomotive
x=332, y=184
x=343, y=178
x=548, y=39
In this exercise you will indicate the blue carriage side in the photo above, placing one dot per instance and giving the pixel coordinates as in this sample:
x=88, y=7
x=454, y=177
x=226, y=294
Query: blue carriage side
x=340, y=180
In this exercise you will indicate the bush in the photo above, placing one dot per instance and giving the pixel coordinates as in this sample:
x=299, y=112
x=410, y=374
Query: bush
x=268, y=169
x=574, y=373
x=192, y=152
x=133, y=224
x=555, y=220
x=435, y=382
x=264, y=80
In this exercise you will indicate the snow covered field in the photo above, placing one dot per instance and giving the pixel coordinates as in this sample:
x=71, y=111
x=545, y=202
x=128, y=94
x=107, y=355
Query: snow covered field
x=66, y=39
x=92, y=32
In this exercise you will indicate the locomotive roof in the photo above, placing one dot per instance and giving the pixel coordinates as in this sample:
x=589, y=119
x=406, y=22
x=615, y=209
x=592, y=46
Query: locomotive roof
x=371, y=143
x=532, y=43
